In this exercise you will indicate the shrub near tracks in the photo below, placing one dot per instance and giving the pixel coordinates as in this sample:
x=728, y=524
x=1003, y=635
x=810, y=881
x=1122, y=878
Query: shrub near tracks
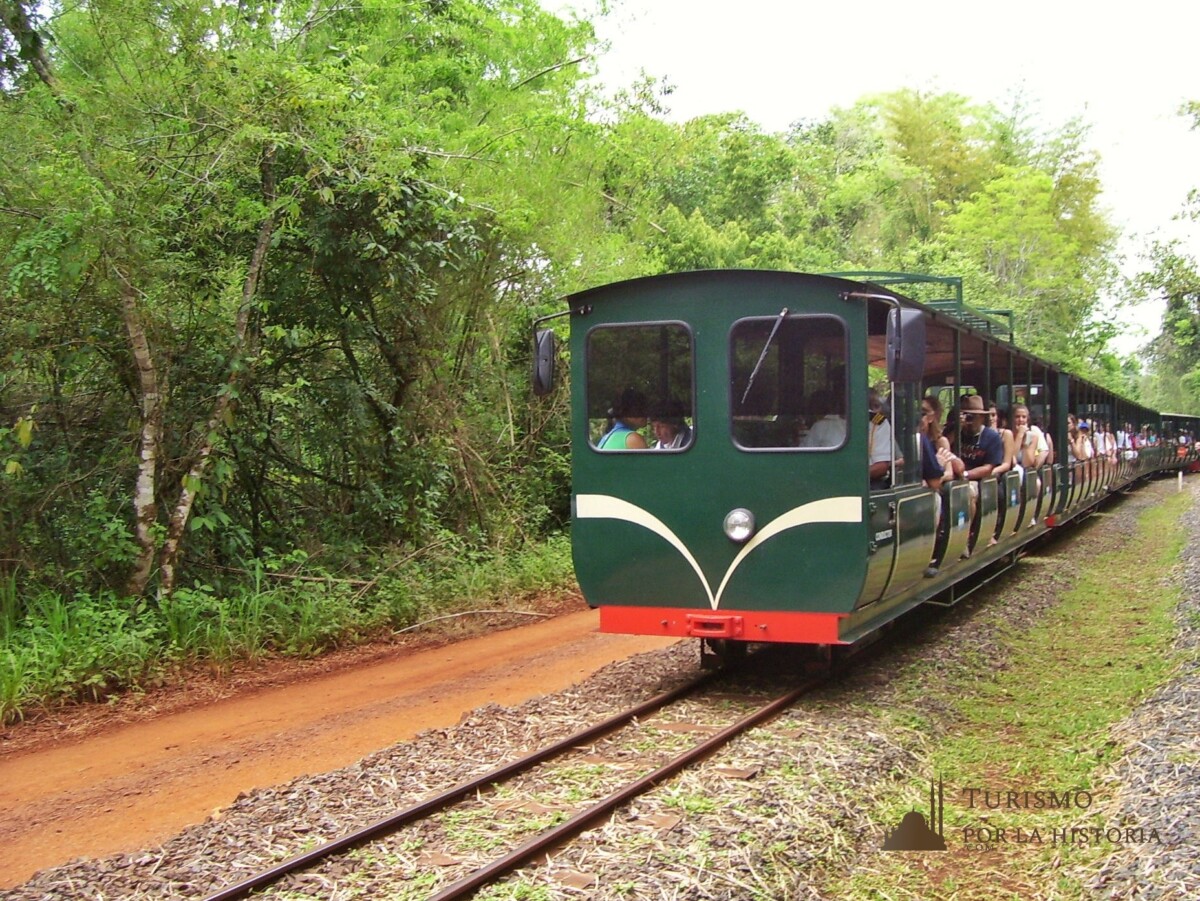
x=92, y=646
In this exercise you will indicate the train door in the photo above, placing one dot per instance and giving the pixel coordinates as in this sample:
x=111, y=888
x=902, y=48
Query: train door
x=902, y=511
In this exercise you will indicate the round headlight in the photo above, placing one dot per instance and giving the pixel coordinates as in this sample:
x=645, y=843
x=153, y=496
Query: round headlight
x=739, y=525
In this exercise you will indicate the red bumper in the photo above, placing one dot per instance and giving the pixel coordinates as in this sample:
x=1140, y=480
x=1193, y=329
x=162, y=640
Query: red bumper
x=737, y=625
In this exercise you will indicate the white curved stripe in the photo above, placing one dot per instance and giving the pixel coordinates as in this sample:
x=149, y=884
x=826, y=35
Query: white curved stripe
x=831, y=509
x=603, y=506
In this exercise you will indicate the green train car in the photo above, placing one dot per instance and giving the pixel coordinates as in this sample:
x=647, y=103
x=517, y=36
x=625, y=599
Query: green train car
x=785, y=501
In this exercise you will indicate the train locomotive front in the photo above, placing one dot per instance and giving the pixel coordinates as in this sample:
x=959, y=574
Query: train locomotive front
x=759, y=527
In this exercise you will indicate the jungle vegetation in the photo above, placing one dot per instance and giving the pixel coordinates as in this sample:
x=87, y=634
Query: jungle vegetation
x=268, y=269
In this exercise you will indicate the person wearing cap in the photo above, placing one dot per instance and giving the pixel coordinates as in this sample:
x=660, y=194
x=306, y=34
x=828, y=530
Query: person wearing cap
x=879, y=443
x=626, y=417
x=980, y=450
x=980, y=447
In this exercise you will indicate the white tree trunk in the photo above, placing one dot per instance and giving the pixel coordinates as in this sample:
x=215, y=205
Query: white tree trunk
x=145, y=500
x=243, y=345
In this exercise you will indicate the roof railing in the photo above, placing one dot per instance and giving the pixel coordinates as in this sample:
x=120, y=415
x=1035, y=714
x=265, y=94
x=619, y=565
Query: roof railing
x=998, y=323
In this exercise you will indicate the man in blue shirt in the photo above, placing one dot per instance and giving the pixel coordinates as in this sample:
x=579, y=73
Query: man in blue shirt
x=981, y=449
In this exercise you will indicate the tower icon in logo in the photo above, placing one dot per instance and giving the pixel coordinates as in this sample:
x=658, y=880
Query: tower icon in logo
x=914, y=833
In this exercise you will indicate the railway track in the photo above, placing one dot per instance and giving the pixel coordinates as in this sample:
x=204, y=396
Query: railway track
x=532, y=848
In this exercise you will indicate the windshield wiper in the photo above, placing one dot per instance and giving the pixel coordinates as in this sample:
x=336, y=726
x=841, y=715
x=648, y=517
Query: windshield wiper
x=762, y=356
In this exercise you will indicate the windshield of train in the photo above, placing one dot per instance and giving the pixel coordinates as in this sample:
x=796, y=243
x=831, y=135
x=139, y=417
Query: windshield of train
x=788, y=382
x=639, y=387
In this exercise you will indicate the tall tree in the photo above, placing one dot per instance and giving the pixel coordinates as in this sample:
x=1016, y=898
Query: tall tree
x=1172, y=380
x=254, y=221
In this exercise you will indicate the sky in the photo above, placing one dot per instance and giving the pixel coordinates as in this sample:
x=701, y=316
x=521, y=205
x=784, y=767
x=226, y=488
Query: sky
x=1125, y=71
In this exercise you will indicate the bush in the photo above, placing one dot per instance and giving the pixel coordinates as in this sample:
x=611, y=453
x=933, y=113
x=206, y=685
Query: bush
x=87, y=646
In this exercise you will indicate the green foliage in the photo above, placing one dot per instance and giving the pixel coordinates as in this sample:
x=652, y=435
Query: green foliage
x=289, y=620
x=450, y=575
x=407, y=163
x=89, y=646
x=901, y=181
x=1033, y=262
x=10, y=606
x=85, y=647
x=1172, y=381
x=12, y=684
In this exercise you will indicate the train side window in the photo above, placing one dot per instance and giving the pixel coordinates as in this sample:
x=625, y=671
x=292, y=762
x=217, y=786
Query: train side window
x=788, y=383
x=639, y=383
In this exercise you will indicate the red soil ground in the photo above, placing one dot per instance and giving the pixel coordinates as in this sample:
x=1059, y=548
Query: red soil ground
x=99, y=779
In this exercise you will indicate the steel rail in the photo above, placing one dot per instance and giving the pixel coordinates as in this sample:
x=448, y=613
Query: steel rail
x=544, y=841
x=394, y=821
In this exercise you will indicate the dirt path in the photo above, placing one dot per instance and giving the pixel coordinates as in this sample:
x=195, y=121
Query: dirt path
x=134, y=785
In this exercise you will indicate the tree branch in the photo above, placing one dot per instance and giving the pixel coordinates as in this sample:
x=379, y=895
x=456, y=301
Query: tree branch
x=554, y=68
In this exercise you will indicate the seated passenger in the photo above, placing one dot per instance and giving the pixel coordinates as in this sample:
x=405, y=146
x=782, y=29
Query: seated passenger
x=669, y=428
x=980, y=450
x=980, y=447
x=879, y=444
x=829, y=429
x=1000, y=423
x=1083, y=447
x=1110, y=443
x=952, y=427
x=1132, y=442
x=1049, y=441
x=625, y=417
x=1032, y=447
x=935, y=449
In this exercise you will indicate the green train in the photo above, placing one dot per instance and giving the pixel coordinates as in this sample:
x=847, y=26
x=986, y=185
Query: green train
x=780, y=497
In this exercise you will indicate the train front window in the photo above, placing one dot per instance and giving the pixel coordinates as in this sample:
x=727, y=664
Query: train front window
x=639, y=387
x=788, y=383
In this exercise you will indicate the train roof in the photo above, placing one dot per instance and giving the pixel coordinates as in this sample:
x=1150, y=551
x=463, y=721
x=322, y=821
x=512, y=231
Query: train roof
x=948, y=315
x=598, y=292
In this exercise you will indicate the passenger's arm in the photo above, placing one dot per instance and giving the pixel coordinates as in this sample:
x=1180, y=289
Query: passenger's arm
x=1010, y=453
x=1037, y=450
x=958, y=468
x=946, y=458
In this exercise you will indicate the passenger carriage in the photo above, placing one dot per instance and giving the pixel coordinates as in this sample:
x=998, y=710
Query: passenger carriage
x=765, y=526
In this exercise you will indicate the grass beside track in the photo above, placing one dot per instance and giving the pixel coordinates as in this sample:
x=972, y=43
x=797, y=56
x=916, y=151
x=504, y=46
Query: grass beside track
x=1033, y=714
x=56, y=649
